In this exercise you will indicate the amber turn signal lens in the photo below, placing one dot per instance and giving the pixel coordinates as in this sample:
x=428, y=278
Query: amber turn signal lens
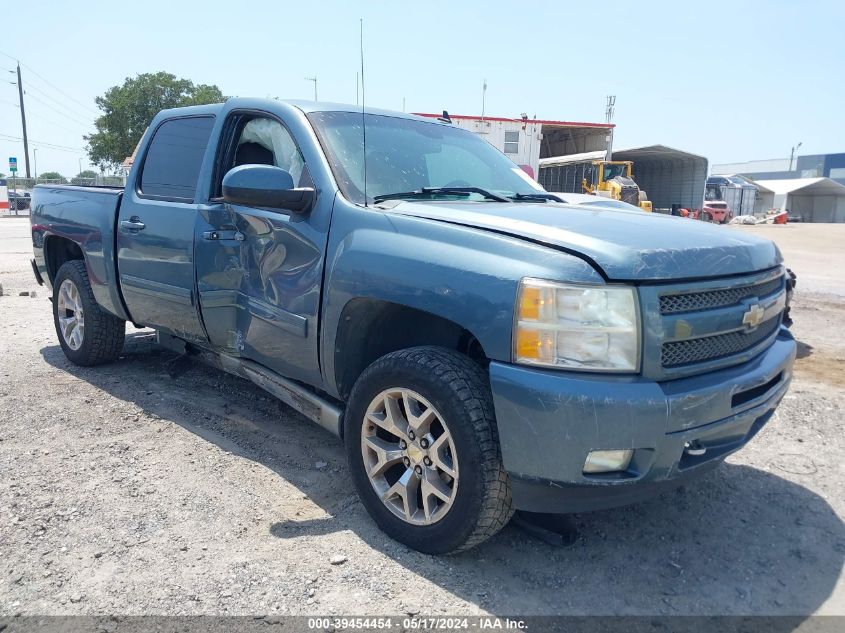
x=529, y=308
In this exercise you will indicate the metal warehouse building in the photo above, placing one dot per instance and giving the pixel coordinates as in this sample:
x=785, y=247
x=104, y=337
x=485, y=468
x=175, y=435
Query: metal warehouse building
x=814, y=199
x=526, y=140
x=808, y=166
x=669, y=176
x=811, y=186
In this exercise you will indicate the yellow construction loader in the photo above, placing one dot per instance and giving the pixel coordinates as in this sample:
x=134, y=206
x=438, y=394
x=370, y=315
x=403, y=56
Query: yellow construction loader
x=612, y=179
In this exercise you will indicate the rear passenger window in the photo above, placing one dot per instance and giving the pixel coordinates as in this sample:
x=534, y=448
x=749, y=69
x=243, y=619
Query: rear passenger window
x=174, y=158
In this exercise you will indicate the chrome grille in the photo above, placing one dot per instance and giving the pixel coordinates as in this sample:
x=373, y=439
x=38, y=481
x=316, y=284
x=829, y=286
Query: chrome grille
x=696, y=350
x=692, y=301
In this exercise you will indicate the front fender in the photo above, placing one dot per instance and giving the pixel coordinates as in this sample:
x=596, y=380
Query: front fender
x=462, y=274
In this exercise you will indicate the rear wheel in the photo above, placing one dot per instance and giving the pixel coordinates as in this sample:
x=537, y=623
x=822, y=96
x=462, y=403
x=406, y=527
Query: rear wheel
x=88, y=335
x=421, y=440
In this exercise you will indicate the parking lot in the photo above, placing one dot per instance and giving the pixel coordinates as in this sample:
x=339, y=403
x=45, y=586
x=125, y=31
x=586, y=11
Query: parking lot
x=126, y=491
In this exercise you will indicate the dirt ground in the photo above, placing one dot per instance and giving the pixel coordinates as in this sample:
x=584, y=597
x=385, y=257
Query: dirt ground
x=123, y=491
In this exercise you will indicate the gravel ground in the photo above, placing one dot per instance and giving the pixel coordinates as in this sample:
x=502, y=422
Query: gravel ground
x=123, y=491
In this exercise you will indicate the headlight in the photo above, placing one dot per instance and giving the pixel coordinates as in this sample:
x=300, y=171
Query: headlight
x=577, y=327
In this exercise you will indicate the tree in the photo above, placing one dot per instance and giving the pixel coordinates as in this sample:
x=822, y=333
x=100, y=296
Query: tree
x=88, y=173
x=51, y=175
x=129, y=109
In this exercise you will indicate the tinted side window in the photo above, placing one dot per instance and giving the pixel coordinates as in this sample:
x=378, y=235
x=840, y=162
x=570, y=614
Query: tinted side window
x=174, y=158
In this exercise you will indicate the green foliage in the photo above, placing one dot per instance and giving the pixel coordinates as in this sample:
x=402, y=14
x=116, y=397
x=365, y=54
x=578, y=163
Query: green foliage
x=50, y=175
x=129, y=109
x=88, y=173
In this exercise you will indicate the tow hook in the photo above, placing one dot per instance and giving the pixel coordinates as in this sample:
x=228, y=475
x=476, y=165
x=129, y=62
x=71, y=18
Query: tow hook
x=694, y=448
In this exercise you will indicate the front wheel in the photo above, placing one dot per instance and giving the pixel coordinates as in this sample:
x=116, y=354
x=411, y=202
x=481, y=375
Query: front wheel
x=88, y=334
x=420, y=435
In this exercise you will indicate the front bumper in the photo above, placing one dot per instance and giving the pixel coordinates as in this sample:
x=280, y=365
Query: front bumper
x=549, y=421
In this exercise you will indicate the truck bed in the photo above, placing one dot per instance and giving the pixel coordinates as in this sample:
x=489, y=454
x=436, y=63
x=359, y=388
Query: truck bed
x=85, y=215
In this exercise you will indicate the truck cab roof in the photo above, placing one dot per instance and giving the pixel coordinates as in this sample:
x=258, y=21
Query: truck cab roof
x=270, y=104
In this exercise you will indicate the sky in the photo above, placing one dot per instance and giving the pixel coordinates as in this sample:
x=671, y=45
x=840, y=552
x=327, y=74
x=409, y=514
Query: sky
x=732, y=81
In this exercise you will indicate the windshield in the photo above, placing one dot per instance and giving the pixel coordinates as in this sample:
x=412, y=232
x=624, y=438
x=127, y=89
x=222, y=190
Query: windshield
x=612, y=171
x=406, y=155
x=712, y=192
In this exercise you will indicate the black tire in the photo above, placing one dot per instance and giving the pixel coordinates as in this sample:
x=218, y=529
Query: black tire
x=459, y=389
x=104, y=334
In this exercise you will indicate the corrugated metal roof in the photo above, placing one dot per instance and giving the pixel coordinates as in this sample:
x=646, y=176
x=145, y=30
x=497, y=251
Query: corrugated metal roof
x=572, y=158
x=654, y=152
x=668, y=175
x=816, y=186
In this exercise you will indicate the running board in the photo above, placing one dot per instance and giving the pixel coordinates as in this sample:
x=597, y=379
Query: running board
x=307, y=403
x=317, y=409
x=312, y=406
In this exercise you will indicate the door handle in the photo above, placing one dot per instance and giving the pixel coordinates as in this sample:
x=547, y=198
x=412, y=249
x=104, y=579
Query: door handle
x=223, y=235
x=133, y=224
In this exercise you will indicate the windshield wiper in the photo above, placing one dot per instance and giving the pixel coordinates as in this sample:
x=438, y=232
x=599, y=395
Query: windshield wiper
x=429, y=192
x=535, y=197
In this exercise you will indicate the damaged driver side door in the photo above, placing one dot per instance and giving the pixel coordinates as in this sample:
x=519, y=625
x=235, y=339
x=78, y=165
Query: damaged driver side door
x=258, y=269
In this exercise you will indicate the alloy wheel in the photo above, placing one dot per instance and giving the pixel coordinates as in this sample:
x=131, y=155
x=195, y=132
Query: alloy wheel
x=409, y=456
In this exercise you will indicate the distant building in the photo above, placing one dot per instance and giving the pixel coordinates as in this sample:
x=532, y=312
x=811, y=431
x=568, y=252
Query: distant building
x=811, y=199
x=812, y=166
x=526, y=141
x=668, y=176
x=813, y=189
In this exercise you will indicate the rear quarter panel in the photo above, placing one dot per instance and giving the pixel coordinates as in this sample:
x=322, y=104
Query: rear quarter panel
x=86, y=216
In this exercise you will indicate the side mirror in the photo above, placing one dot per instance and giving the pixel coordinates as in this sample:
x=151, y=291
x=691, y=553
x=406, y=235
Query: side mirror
x=266, y=186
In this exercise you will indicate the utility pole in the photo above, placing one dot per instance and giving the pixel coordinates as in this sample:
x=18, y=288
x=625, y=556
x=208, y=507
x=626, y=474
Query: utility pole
x=609, y=111
x=483, y=98
x=23, y=122
x=610, y=108
x=314, y=79
x=792, y=155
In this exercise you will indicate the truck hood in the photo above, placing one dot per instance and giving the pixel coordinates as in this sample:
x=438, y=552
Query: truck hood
x=624, y=245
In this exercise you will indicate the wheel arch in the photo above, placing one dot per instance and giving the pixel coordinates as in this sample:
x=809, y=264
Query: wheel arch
x=370, y=328
x=57, y=251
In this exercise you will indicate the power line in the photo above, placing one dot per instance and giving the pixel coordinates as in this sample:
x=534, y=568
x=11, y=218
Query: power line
x=59, y=90
x=40, y=117
x=67, y=116
x=9, y=137
x=49, y=83
x=28, y=86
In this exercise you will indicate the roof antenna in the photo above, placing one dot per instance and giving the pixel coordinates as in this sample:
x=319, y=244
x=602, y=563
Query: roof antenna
x=444, y=117
x=363, y=118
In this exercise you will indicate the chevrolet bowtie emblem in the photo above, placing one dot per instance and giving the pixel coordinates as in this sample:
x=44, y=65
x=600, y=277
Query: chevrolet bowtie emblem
x=754, y=315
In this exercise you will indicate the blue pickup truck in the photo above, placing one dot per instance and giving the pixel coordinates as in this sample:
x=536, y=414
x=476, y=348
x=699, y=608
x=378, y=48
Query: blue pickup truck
x=479, y=346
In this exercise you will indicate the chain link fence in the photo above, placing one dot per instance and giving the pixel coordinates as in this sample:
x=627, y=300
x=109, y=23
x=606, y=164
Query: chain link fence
x=99, y=180
x=20, y=189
